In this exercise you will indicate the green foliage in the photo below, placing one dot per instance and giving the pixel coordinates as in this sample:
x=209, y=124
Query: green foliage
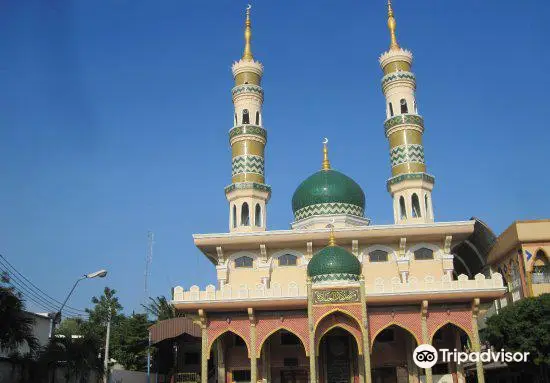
x=161, y=309
x=523, y=326
x=16, y=326
x=130, y=340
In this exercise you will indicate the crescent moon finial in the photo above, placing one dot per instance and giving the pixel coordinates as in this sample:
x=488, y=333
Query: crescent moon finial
x=248, y=7
x=325, y=140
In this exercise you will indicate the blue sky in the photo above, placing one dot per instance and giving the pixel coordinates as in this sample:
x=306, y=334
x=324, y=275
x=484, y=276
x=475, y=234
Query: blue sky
x=114, y=117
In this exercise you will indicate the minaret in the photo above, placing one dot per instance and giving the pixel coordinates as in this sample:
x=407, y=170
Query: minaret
x=410, y=186
x=247, y=194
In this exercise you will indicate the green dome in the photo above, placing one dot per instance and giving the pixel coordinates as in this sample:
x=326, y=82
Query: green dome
x=334, y=263
x=328, y=192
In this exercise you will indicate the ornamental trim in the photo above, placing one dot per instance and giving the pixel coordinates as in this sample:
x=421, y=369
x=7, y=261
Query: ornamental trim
x=247, y=164
x=410, y=119
x=406, y=153
x=247, y=88
x=329, y=208
x=248, y=185
x=337, y=277
x=336, y=296
x=410, y=176
x=247, y=129
x=397, y=76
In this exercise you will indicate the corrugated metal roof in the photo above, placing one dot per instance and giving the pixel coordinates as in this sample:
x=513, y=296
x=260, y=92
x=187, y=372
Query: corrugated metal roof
x=171, y=328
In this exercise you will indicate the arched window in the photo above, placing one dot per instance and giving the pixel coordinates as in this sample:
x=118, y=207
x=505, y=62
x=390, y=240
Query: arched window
x=246, y=117
x=257, y=118
x=245, y=215
x=415, y=107
x=541, y=269
x=258, y=215
x=415, y=206
x=423, y=254
x=426, y=205
x=236, y=122
x=244, y=261
x=234, y=216
x=402, y=209
x=378, y=256
x=288, y=260
x=391, y=109
x=404, y=108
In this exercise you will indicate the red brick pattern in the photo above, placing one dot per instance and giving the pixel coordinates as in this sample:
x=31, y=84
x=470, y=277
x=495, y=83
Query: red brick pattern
x=410, y=321
x=297, y=324
x=340, y=320
x=239, y=326
x=353, y=310
x=462, y=318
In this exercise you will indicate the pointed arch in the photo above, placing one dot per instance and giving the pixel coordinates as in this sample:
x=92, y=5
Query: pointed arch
x=393, y=324
x=245, y=214
x=232, y=331
x=293, y=332
x=453, y=323
x=353, y=327
x=336, y=310
x=258, y=215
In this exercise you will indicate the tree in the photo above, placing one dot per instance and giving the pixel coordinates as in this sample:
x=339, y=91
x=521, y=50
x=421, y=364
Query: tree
x=130, y=341
x=161, y=309
x=524, y=327
x=16, y=326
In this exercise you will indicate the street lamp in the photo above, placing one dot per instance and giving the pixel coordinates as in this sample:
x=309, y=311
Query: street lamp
x=57, y=316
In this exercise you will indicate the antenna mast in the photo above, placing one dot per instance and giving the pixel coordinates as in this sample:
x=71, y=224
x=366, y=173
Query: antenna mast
x=148, y=260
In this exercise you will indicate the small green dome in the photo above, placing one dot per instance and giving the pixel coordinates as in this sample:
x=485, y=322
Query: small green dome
x=328, y=192
x=334, y=263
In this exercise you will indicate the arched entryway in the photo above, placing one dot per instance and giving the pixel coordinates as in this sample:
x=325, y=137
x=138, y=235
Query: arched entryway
x=229, y=359
x=450, y=337
x=391, y=356
x=283, y=359
x=338, y=357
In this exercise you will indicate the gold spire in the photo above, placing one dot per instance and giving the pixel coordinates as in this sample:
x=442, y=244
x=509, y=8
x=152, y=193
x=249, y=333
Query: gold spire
x=247, y=55
x=391, y=26
x=331, y=239
x=326, y=162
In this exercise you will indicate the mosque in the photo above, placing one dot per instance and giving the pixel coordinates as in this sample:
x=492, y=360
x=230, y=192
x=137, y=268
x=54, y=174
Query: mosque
x=337, y=299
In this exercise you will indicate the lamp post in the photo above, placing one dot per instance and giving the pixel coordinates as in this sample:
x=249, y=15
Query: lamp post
x=57, y=315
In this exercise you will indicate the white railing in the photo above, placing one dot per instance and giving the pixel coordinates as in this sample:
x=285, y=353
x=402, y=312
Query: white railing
x=429, y=283
x=378, y=286
x=243, y=291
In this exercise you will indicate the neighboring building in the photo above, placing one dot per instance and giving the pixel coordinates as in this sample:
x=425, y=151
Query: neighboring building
x=40, y=329
x=335, y=298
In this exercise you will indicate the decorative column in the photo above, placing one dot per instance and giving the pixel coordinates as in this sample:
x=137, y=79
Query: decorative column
x=410, y=186
x=204, y=346
x=476, y=345
x=426, y=336
x=221, y=361
x=311, y=324
x=366, y=336
x=248, y=194
x=253, y=358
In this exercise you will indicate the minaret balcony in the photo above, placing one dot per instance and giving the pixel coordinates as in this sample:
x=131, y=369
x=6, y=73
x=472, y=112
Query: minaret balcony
x=247, y=131
x=247, y=89
x=413, y=121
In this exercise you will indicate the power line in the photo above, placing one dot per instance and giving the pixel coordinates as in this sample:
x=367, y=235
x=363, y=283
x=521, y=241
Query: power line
x=29, y=294
x=51, y=302
x=2, y=258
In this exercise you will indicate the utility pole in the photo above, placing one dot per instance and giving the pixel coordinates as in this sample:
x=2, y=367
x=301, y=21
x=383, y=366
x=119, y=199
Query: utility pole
x=107, y=339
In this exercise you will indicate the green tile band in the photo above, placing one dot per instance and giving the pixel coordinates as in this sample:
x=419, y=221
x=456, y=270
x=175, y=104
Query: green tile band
x=248, y=185
x=247, y=164
x=247, y=129
x=409, y=119
x=329, y=208
x=406, y=153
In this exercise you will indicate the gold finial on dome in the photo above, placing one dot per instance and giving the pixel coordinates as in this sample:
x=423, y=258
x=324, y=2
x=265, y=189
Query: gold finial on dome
x=331, y=237
x=326, y=162
x=391, y=25
x=247, y=55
